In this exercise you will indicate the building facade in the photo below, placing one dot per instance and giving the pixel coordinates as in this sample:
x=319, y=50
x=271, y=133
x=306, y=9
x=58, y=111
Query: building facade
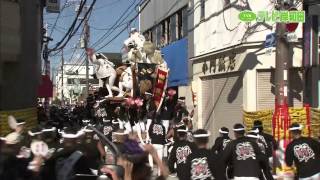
x=20, y=62
x=166, y=23
x=72, y=86
x=230, y=65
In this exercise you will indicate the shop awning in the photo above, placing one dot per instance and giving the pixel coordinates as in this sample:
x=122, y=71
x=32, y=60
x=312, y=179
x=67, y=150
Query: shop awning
x=176, y=56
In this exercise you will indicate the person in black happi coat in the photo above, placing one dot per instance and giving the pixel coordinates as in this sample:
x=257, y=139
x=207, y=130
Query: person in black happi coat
x=222, y=141
x=69, y=160
x=180, y=152
x=269, y=142
x=305, y=153
x=201, y=164
x=266, y=172
x=244, y=155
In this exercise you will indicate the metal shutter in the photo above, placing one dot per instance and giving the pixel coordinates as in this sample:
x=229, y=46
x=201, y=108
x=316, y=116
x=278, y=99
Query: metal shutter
x=265, y=95
x=207, y=100
x=223, y=106
x=296, y=88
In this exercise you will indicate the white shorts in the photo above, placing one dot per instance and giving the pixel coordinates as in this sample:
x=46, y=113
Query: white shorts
x=314, y=177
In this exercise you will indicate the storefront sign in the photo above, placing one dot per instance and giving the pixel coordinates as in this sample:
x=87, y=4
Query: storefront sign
x=274, y=16
x=220, y=64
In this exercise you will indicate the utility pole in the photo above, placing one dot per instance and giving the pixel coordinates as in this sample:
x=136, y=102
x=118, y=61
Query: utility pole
x=62, y=64
x=85, y=46
x=86, y=39
x=283, y=59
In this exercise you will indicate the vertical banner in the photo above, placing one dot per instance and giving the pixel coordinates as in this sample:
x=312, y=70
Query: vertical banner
x=146, y=75
x=160, y=87
x=310, y=35
x=53, y=6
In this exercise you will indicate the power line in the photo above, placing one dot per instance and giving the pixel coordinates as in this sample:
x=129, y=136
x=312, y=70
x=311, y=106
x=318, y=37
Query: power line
x=148, y=1
x=130, y=21
x=109, y=28
x=55, y=23
x=98, y=8
x=75, y=49
x=107, y=34
x=71, y=28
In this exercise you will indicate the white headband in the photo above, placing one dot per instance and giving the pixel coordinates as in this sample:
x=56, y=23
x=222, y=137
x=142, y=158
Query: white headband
x=120, y=133
x=33, y=134
x=201, y=135
x=180, y=124
x=147, y=93
x=238, y=129
x=253, y=136
x=254, y=130
x=85, y=121
x=71, y=136
x=49, y=130
x=300, y=127
x=182, y=130
x=223, y=132
x=115, y=122
x=21, y=123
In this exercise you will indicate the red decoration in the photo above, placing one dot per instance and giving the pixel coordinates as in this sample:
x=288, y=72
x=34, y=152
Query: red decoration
x=281, y=121
x=160, y=86
x=45, y=89
x=291, y=27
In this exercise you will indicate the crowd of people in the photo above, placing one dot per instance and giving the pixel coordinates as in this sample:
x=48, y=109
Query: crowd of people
x=134, y=139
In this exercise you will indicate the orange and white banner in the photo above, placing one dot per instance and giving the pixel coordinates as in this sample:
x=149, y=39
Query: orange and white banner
x=160, y=87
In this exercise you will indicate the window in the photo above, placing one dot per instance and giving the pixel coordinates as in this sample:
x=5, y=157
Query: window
x=179, y=14
x=164, y=33
x=154, y=35
x=70, y=81
x=184, y=22
x=173, y=28
x=168, y=30
x=202, y=9
x=159, y=33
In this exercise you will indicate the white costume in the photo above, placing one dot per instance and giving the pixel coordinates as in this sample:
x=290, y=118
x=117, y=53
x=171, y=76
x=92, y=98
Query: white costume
x=105, y=69
x=126, y=81
x=136, y=40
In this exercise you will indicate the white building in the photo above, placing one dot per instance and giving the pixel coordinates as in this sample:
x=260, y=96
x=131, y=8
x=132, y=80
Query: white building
x=231, y=71
x=73, y=84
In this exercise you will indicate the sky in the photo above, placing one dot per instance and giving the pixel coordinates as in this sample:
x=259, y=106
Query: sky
x=104, y=15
